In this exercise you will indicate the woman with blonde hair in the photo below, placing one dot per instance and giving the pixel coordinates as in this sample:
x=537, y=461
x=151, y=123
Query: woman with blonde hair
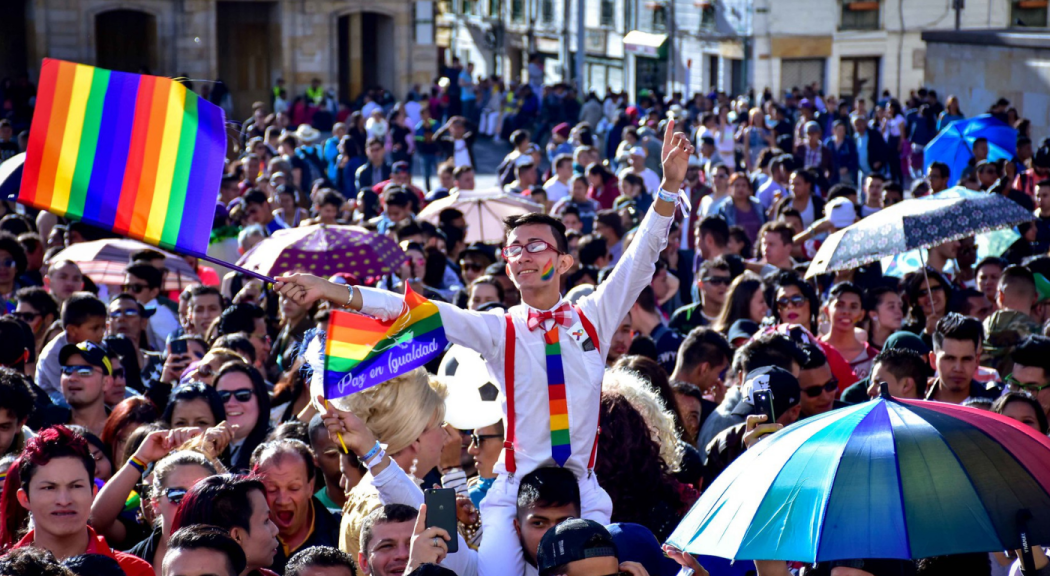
x=649, y=404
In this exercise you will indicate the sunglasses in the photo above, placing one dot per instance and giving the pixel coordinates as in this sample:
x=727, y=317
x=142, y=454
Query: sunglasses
x=476, y=440
x=8, y=263
x=26, y=317
x=118, y=373
x=793, y=301
x=534, y=247
x=175, y=495
x=1030, y=387
x=471, y=266
x=242, y=395
x=134, y=288
x=814, y=391
x=716, y=280
x=126, y=313
x=82, y=371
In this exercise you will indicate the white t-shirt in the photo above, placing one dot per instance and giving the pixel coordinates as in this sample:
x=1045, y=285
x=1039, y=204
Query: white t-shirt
x=649, y=178
x=462, y=155
x=555, y=190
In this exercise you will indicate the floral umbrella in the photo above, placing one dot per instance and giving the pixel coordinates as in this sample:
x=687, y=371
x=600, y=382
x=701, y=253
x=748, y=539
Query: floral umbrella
x=324, y=250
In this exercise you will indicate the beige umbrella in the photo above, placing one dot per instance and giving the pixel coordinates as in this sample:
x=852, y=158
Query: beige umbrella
x=483, y=211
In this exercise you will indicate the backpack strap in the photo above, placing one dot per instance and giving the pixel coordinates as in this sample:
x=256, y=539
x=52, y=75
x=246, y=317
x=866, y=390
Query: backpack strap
x=508, y=391
x=593, y=335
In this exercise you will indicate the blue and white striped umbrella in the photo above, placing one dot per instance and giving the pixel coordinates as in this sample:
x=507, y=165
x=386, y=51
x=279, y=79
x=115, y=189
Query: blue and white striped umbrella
x=917, y=223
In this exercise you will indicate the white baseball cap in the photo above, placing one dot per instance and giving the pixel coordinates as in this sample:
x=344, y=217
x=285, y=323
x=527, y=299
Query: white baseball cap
x=638, y=151
x=841, y=212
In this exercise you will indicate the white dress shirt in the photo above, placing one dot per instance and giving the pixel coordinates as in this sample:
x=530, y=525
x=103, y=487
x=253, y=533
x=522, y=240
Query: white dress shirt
x=485, y=332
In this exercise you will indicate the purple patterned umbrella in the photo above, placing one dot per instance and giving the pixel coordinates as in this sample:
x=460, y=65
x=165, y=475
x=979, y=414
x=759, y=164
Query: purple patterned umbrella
x=324, y=250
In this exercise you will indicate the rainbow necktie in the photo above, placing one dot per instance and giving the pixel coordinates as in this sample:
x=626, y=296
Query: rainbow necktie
x=561, y=447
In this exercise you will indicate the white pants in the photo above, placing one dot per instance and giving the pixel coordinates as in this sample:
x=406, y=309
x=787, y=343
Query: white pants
x=500, y=553
x=490, y=123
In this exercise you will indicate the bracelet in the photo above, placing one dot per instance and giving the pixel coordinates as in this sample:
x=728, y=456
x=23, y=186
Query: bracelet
x=667, y=196
x=375, y=461
x=349, y=295
x=137, y=464
x=368, y=456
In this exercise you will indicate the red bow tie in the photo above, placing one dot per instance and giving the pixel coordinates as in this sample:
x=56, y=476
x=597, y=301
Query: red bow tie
x=562, y=315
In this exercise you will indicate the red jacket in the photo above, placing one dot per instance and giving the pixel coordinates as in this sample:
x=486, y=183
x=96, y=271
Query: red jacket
x=131, y=565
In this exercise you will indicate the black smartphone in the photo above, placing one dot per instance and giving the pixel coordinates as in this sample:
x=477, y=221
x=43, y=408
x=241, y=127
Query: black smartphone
x=179, y=347
x=441, y=512
x=764, y=405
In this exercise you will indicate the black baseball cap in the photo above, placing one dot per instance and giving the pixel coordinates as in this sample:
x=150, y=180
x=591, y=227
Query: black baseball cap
x=92, y=353
x=573, y=540
x=782, y=386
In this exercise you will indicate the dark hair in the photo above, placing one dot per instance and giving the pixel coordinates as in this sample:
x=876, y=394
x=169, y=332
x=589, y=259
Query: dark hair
x=913, y=288
x=955, y=326
x=81, y=307
x=203, y=290
x=262, y=397
x=40, y=299
x=220, y=500
x=280, y=449
x=317, y=557
x=1033, y=350
x=651, y=371
x=838, y=290
x=783, y=279
x=518, y=137
x=547, y=487
x=31, y=560
x=971, y=564
x=16, y=393
x=905, y=363
x=147, y=255
x=611, y=218
x=771, y=349
x=387, y=514
x=148, y=273
x=237, y=318
x=941, y=168
x=783, y=229
x=93, y=565
x=491, y=281
x=239, y=342
x=9, y=243
x=704, y=345
x=716, y=227
x=1010, y=397
x=55, y=442
x=1020, y=277
x=738, y=301
x=194, y=391
x=738, y=233
x=557, y=228
x=590, y=248
x=630, y=469
x=255, y=196
x=845, y=190
x=208, y=537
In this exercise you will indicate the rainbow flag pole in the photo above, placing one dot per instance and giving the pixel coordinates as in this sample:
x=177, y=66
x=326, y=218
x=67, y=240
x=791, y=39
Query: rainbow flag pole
x=139, y=155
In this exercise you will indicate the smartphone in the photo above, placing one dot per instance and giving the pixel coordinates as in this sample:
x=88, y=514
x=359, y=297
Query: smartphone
x=764, y=405
x=441, y=512
x=178, y=347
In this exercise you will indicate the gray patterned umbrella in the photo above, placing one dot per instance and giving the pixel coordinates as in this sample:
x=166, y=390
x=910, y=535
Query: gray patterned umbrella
x=324, y=250
x=918, y=223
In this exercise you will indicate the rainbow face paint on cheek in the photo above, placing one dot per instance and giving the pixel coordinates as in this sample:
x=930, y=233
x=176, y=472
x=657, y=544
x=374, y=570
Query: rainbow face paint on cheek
x=548, y=271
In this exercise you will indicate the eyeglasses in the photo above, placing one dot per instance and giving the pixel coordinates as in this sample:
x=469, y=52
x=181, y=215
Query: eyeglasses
x=242, y=395
x=8, y=263
x=793, y=301
x=717, y=280
x=533, y=247
x=814, y=391
x=175, y=495
x=1030, y=387
x=127, y=313
x=26, y=317
x=477, y=440
x=134, y=288
x=118, y=373
x=82, y=371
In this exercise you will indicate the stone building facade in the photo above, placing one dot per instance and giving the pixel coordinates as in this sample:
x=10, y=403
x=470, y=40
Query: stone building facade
x=350, y=45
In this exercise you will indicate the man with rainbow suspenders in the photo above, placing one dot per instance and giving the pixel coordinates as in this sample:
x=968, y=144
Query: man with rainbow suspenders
x=551, y=371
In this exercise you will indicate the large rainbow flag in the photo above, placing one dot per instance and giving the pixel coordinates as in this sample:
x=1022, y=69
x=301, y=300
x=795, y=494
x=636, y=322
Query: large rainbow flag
x=361, y=352
x=139, y=155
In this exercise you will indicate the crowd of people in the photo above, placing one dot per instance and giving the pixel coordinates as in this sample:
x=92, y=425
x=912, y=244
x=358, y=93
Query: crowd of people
x=154, y=431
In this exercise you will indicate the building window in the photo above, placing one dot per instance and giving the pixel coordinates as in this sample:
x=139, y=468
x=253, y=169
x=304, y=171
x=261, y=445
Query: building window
x=628, y=15
x=548, y=11
x=707, y=15
x=860, y=15
x=858, y=78
x=423, y=29
x=517, y=10
x=1028, y=13
x=608, y=14
x=660, y=18
x=469, y=7
x=495, y=8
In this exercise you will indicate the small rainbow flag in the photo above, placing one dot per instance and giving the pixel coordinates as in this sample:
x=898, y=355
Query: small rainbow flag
x=561, y=445
x=139, y=155
x=361, y=351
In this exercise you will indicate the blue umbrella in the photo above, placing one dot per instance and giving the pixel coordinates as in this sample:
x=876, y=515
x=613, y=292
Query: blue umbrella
x=954, y=145
x=11, y=176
